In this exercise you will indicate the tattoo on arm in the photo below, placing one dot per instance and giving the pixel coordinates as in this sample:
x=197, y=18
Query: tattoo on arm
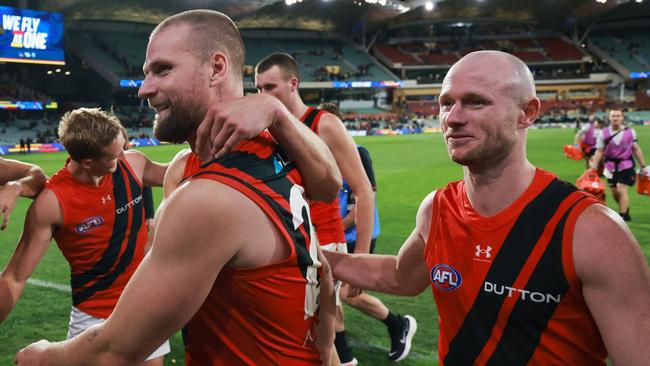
x=93, y=334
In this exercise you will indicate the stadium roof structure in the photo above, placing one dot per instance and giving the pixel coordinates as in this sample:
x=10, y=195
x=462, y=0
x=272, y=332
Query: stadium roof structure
x=346, y=16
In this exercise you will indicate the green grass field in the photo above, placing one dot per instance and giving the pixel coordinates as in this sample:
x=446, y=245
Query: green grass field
x=407, y=169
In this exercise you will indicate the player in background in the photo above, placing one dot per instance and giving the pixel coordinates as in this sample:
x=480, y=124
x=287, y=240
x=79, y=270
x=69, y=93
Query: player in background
x=617, y=145
x=402, y=333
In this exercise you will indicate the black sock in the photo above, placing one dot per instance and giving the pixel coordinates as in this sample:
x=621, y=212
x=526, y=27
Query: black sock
x=342, y=347
x=393, y=322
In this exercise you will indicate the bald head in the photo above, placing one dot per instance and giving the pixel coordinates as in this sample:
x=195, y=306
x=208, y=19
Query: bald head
x=210, y=32
x=499, y=69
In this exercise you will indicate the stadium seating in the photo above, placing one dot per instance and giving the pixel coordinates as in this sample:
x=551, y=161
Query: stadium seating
x=630, y=50
x=560, y=50
x=444, y=53
x=315, y=55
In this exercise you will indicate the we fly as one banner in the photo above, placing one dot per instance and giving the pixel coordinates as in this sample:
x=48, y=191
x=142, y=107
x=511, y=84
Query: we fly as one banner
x=31, y=36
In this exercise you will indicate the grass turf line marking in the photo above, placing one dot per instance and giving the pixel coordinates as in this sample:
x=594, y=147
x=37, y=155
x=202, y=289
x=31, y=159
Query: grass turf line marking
x=374, y=347
x=48, y=284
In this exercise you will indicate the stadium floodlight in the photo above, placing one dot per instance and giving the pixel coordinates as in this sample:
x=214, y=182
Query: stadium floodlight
x=428, y=6
x=639, y=1
x=49, y=72
x=67, y=72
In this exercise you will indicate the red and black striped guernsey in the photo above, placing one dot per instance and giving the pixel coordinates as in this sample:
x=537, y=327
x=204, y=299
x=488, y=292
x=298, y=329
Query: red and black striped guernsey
x=505, y=286
x=103, y=235
x=264, y=315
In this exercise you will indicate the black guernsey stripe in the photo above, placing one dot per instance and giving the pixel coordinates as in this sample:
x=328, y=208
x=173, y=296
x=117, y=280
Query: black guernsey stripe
x=475, y=331
x=119, y=228
x=109, y=278
x=311, y=116
x=528, y=319
x=262, y=170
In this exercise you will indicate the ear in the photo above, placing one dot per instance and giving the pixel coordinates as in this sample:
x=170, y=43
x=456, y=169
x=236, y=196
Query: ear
x=294, y=84
x=218, y=67
x=530, y=109
x=85, y=163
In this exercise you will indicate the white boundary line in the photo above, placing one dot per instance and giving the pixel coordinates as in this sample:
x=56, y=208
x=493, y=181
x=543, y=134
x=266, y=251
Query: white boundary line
x=368, y=346
x=48, y=284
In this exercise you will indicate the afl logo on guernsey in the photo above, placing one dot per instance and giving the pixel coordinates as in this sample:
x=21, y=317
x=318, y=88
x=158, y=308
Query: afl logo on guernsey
x=445, y=277
x=89, y=224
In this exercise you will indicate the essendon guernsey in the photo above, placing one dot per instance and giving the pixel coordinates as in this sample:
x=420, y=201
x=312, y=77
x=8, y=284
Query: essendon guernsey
x=325, y=216
x=265, y=315
x=505, y=285
x=103, y=235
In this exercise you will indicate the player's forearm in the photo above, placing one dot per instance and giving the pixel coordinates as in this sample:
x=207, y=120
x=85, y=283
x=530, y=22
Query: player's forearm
x=327, y=310
x=596, y=159
x=7, y=300
x=321, y=176
x=368, y=271
x=32, y=184
x=364, y=220
x=154, y=173
x=88, y=348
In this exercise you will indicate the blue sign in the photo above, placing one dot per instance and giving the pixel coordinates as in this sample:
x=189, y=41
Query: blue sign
x=367, y=84
x=31, y=36
x=130, y=83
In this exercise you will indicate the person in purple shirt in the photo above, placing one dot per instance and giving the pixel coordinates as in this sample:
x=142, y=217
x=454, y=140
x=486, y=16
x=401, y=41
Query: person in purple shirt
x=617, y=144
x=586, y=138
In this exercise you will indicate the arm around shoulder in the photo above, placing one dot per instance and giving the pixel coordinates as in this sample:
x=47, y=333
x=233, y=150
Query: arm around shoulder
x=616, y=283
x=153, y=173
x=174, y=173
x=28, y=177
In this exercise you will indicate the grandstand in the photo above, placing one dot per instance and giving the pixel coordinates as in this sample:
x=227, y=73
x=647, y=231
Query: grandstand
x=393, y=59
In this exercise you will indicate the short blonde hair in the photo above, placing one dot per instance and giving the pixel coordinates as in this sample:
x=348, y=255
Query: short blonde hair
x=84, y=132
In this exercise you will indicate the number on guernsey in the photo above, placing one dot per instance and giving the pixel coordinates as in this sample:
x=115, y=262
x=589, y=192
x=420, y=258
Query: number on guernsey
x=298, y=206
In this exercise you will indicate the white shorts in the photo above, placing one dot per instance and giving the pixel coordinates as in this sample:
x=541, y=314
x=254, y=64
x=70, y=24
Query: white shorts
x=80, y=321
x=338, y=248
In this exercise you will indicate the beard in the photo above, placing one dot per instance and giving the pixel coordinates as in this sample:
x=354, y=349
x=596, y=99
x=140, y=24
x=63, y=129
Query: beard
x=181, y=121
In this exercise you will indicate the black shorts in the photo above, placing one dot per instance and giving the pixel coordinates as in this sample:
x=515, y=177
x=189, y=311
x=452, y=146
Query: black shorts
x=626, y=176
x=353, y=244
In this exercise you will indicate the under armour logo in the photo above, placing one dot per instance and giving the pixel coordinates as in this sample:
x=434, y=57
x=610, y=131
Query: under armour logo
x=106, y=199
x=485, y=252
